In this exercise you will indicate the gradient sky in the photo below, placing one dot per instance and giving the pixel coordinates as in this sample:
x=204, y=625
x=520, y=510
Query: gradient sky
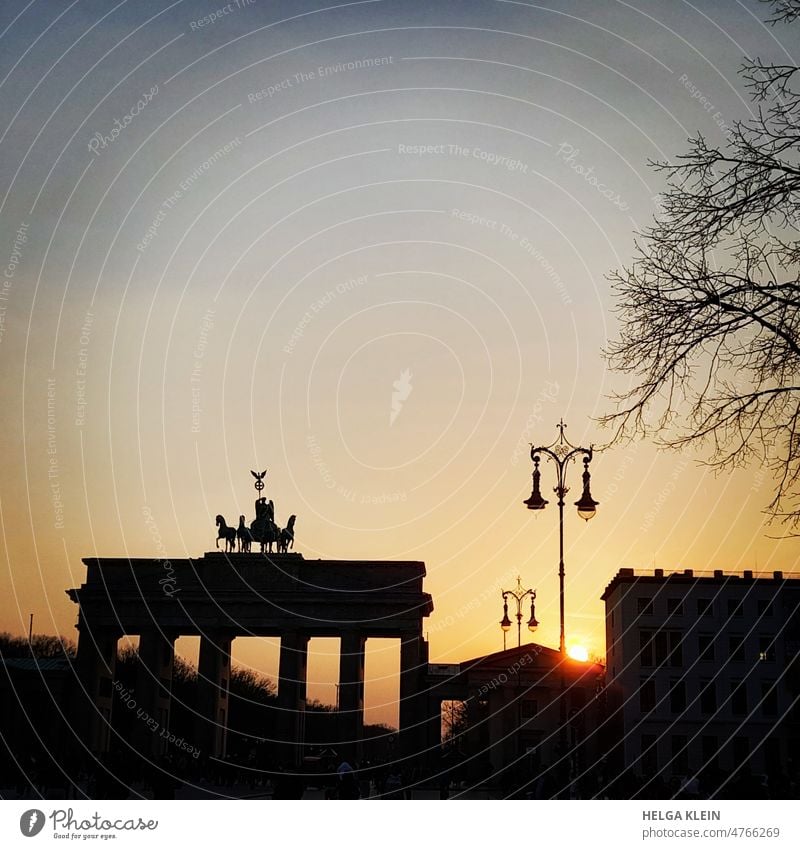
x=238, y=276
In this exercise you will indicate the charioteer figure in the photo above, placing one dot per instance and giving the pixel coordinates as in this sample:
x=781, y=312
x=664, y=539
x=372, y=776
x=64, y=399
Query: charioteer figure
x=262, y=530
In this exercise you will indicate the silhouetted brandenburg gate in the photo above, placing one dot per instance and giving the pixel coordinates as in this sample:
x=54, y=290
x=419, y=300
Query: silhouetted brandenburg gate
x=222, y=596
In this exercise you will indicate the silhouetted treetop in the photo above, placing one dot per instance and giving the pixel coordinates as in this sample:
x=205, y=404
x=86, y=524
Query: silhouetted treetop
x=41, y=646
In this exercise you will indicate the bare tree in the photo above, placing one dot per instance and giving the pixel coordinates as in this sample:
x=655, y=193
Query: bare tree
x=40, y=646
x=710, y=307
x=455, y=722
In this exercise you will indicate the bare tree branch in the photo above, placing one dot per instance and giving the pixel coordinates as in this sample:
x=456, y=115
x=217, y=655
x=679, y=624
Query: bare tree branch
x=710, y=307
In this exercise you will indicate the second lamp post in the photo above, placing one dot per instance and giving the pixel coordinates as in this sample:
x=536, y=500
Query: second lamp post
x=518, y=594
x=561, y=452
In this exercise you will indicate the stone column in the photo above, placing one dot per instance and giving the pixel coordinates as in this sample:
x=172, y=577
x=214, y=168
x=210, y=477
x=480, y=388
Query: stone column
x=95, y=663
x=413, y=713
x=154, y=691
x=292, y=678
x=432, y=733
x=213, y=675
x=476, y=735
x=351, y=694
x=430, y=739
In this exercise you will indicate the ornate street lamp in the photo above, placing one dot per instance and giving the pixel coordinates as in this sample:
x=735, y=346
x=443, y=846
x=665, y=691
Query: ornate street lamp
x=561, y=452
x=518, y=595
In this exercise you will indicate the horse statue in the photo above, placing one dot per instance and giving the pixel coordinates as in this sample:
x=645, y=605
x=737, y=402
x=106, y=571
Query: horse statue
x=226, y=533
x=244, y=536
x=286, y=536
x=263, y=527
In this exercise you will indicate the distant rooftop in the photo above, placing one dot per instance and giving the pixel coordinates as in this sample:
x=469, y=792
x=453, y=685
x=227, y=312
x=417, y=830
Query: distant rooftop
x=39, y=664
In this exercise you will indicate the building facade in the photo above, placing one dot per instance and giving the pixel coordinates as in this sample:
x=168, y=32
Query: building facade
x=530, y=719
x=703, y=675
x=35, y=732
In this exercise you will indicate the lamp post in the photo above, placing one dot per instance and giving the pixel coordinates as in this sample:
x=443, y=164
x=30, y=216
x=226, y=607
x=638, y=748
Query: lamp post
x=562, y=452
x=518, y=595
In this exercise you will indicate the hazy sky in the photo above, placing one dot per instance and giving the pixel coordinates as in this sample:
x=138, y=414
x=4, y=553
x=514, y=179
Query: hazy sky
x=231, y=234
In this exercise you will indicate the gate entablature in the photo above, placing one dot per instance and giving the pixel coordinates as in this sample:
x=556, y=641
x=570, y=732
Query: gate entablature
x=250, y=595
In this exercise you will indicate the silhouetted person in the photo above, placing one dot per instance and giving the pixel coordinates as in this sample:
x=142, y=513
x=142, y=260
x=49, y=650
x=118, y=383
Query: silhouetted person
x=394, y=784
x=348, y=785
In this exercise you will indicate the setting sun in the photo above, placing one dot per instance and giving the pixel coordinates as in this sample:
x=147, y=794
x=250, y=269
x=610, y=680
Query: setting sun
x=578, y=653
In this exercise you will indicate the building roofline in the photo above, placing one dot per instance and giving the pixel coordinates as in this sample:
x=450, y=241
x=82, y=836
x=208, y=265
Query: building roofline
x=507, y=656
x=238, y=558
x=697, y=576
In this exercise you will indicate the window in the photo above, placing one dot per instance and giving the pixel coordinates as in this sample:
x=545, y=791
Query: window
x=675, y=648
x=612, y=618
x=764, y=607
x=741, y=751
x=769, y=696
x=705, y=607
x=646, y=652
x=736, y=649
x=647, y=695
x=772, y=753
x=675, y=606
x=705, y=647
x=738, y=698
x=735, y=607
x=766, y=649
x=677, y=697
x=659, y=647
x=649, y=750
x=644, y=606
x=710, y=750
x=680, y=755
x=708, y=697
